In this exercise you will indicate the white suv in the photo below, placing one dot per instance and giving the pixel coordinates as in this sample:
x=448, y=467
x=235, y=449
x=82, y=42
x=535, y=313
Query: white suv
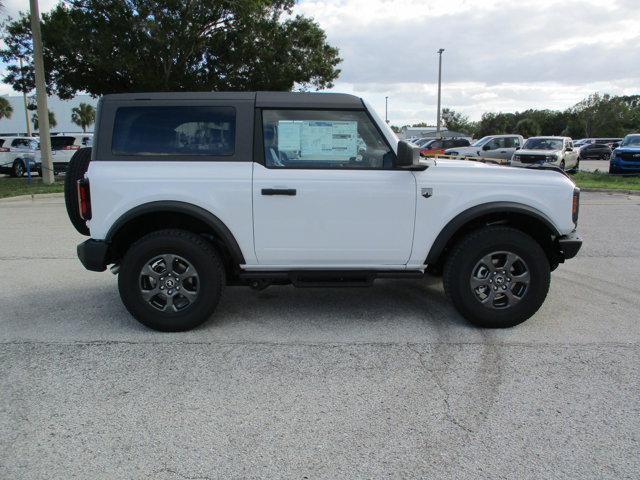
x=16, y=153
x=186, y=193
x=63, y=147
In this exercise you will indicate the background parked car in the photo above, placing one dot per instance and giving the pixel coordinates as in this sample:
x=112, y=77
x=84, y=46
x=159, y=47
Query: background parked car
x=626, y=158
x=609, y=141
x=64, y=146
x=595, y=151
x=557, y=151
x=15, y=152
x=438, y=146
x=500, y=147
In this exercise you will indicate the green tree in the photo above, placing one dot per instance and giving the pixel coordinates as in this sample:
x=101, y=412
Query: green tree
x=52, y=120
x=457, y=122
x=420, y=125
x=527, y=127
x=496, y=123
x=6, y=110
x=107, y=46
x=83, y=115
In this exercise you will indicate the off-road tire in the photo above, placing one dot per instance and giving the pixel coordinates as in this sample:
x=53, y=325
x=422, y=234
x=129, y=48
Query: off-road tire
x=196, y=250
x=465, y=255
x=78, y=166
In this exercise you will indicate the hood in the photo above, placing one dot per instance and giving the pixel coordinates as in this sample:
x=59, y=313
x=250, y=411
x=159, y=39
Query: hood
x=631, y=149
x=536, y=152
x=480, y=172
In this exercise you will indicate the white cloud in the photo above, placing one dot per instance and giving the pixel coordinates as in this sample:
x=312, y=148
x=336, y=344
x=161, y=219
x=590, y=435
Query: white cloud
x=500, y=55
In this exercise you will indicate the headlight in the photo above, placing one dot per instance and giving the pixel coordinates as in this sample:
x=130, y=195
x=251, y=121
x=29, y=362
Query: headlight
x=551, y=158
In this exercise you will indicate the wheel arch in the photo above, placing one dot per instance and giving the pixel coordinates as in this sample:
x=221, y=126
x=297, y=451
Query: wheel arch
x=159, y=215
x=521, y=216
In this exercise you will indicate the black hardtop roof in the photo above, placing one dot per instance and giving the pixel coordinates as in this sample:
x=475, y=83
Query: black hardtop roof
x=262, y=99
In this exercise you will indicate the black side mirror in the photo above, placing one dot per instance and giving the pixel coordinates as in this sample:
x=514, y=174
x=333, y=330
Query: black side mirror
x=486, y=147
x=408, y=155
x=518, y=148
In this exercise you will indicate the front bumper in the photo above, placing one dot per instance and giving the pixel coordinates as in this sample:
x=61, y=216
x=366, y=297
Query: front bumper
x=619, y=165
x=94, y=254
x=569, y=245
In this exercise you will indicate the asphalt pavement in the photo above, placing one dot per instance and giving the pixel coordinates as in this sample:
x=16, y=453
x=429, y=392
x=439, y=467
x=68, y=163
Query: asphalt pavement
x=318, y=383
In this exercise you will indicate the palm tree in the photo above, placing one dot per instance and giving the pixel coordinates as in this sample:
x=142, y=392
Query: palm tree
x=5, y=108
x=83, y=116
x=52, y=120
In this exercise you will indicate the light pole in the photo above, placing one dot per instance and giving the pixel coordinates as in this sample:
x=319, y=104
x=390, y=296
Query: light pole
x=386, y=109
x=438, y=135
x=24, y=98
x=41, y=95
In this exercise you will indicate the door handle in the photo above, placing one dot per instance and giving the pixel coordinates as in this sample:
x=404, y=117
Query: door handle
x=290, y=192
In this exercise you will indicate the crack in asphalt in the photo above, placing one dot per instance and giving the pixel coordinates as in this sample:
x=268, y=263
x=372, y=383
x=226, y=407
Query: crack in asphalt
x=440, y=384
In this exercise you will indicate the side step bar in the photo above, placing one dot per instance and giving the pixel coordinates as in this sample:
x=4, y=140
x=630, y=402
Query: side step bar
x=321, y=278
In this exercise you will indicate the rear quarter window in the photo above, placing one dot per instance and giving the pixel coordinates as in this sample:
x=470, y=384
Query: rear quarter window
x=59, y=142
x=174, y=131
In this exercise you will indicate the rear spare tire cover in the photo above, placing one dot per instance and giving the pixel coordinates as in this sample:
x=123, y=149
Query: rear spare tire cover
x=78, y=166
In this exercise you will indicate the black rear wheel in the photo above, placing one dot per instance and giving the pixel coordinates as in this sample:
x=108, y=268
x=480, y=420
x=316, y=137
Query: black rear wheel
x=171, y=280
x=497, y=277
x=17, y=169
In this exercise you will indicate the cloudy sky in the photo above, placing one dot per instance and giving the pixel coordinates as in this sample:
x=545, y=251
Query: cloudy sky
x=500, y=55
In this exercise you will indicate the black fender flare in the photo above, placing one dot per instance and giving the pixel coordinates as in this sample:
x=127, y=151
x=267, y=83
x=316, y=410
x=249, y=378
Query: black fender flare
x=217, y=226
x=479, y=211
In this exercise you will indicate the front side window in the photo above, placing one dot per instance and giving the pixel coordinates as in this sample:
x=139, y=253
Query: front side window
x=175, y=131
x=497, y=143
x=323, y=139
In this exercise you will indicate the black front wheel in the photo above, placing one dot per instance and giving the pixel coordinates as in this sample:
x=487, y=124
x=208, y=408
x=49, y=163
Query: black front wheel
x=497, y=277
x=171, y=280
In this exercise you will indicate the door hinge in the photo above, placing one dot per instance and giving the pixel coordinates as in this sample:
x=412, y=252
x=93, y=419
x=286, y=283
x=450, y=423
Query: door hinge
x=427, y=192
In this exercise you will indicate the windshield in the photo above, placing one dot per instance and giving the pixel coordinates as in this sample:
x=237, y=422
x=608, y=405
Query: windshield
x=481, y=142
x=543, y=144
x=631, y=141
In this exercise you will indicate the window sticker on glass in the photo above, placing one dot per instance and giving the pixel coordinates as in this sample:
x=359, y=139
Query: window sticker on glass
x=289, y=135
x=314, y=138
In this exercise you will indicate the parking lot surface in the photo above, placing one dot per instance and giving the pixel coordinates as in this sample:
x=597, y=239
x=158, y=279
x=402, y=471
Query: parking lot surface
x=318, y=383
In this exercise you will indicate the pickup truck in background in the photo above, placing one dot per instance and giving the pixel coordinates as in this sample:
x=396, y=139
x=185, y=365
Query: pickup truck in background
x=499, y=147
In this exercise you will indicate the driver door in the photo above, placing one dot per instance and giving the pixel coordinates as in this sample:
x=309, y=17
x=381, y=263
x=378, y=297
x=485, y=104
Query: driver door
x=326, y=195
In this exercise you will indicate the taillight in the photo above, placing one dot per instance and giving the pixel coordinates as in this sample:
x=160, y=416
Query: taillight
x=84, y=199
x=575, y=208
x=71, y=147
x=5, y=149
